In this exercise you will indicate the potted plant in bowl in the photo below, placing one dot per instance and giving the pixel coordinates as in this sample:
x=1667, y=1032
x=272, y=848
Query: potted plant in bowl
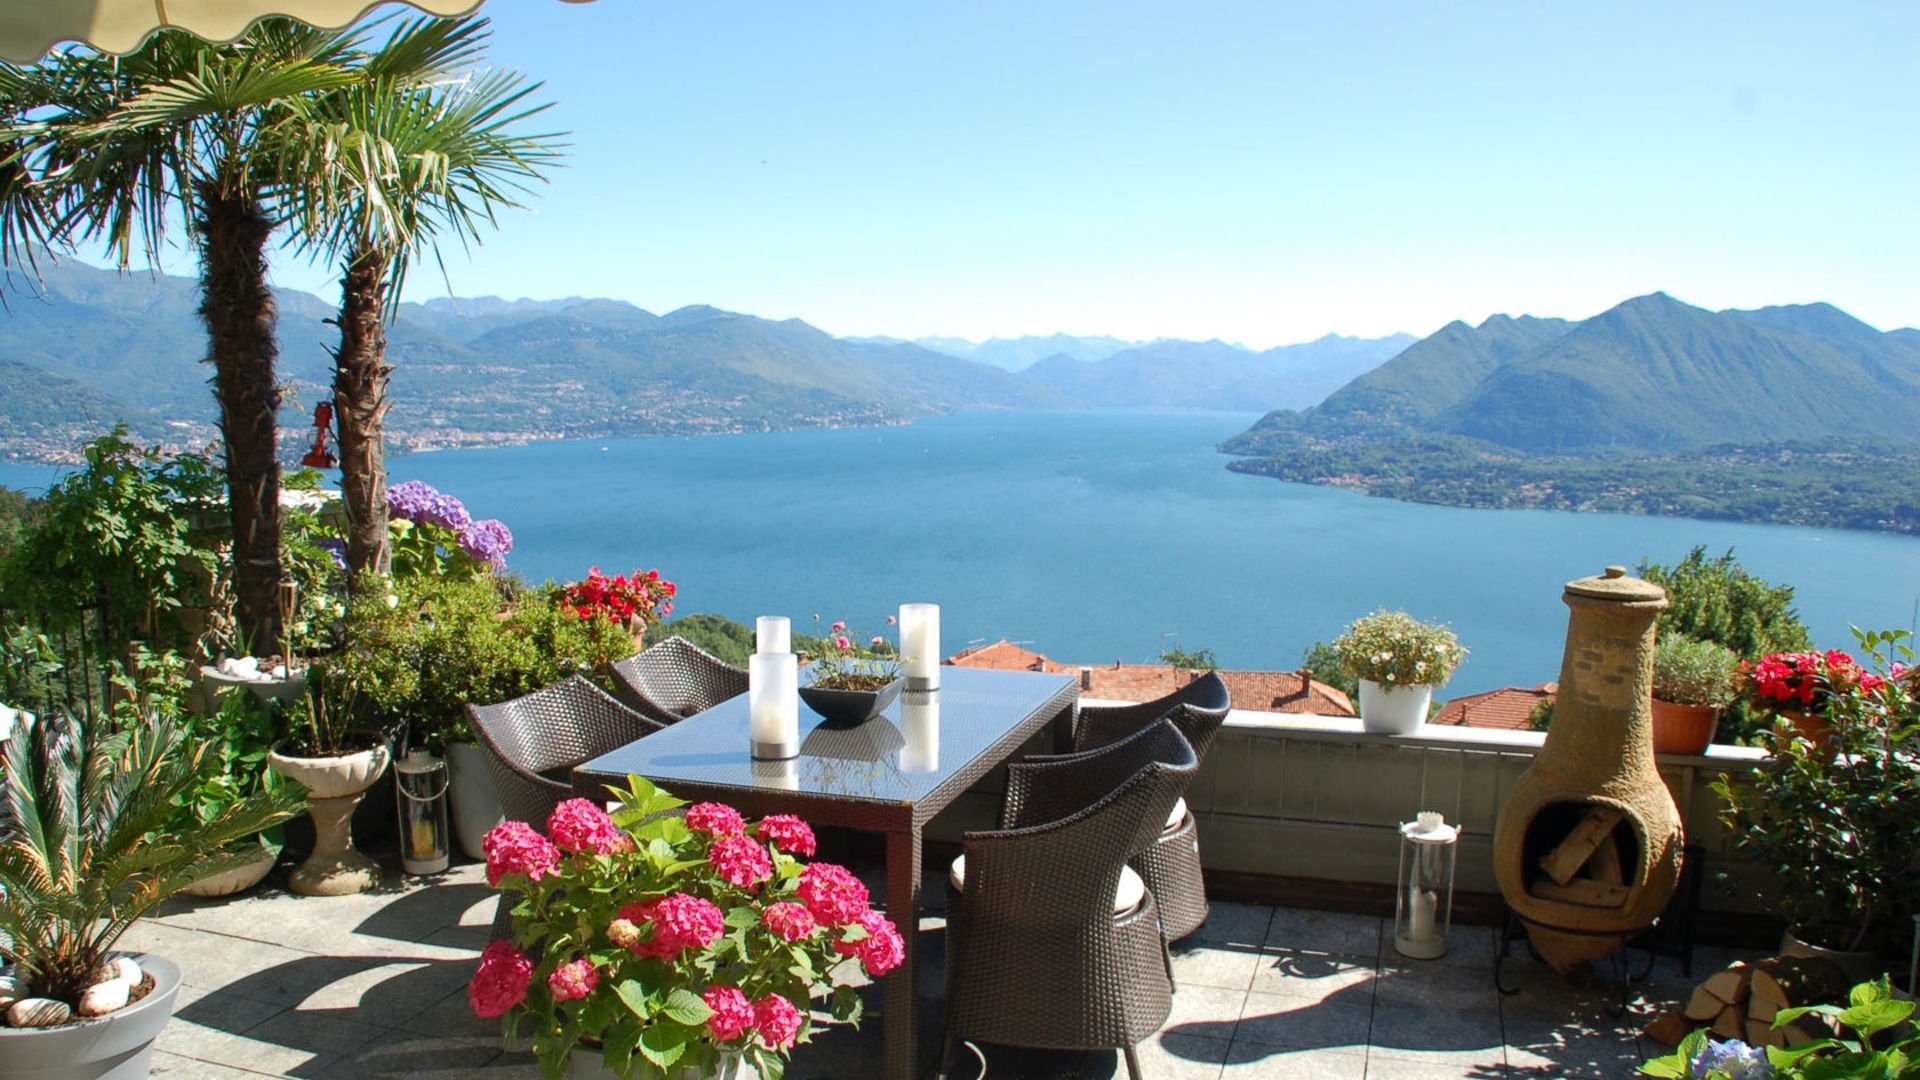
x=654, y=940
x=89, y=853
x=237, y=738
x=1835, y=830
x=1692, y=681
x=848, y=683
x=1398, y=660
x=336, y=760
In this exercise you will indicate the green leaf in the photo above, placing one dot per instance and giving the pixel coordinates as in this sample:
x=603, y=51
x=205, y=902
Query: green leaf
x=633, y=993
x=742, y=917
x=1876, y=1016
x=846, y=1006
x=685, y=1006
x=1781, y=1057
x=663, y=1044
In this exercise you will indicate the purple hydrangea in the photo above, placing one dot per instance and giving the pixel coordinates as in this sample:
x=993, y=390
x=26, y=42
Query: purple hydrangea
x=337, y=549
x=419, y=501
x=488, y=541
x=1732, y=1059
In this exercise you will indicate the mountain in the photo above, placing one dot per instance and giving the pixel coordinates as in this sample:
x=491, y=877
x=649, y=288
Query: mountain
x=1215, y=375
x=38, y=406
x=1017, y=354
x=1651, y=374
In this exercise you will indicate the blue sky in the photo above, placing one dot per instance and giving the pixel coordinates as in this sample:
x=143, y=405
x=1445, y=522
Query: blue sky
x=1258, y=172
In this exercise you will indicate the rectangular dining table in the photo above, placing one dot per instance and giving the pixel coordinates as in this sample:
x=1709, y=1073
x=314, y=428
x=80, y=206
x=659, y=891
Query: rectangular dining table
x=890, y=775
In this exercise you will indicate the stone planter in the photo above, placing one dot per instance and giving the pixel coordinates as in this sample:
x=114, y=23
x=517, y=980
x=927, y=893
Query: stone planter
x=335, y=786
x=217, y=682
x=1858, y=966
x=1393, y=710
x=473, y=799
x=117, y=1046
x=1683, y=729
x=237, y=880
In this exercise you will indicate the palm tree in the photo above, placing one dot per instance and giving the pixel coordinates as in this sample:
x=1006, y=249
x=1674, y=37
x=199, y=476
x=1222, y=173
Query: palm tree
x=374, y=171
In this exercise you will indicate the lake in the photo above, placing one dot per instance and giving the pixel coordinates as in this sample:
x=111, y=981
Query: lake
x=1097, y=536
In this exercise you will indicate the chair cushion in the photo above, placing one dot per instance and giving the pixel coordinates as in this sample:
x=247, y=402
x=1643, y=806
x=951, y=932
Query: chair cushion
x=1178, y=815
x=1128, y=896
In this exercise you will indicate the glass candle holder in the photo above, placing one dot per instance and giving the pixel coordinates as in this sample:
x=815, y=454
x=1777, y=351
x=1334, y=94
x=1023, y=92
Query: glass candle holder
x=772, y=634
x=920, y=645
x=422, y=782
x=1423, y=913
x=920, y=724
x=773, y=705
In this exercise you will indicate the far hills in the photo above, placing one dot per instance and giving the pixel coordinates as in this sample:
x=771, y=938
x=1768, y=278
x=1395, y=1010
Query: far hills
x=1801, y=414
x=89, y=346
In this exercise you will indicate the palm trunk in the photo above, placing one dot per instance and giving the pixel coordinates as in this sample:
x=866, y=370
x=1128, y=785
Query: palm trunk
x=360, y=403
x=239, y=311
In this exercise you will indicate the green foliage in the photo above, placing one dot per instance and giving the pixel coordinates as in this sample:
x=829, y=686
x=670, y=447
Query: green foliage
x=843, y=660
x=91, y=849
x=1691, y=672
x=1189, y=659
x=18, y=512
x=1718, y=600
x=1835, y=825
x=718, y=635
x=1540, y=717
x=1871, y=1044
x=1393, y=648
x=237, y=737
x=1331, y=668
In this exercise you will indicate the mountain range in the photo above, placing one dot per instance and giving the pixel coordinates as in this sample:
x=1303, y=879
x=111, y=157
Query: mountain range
x=86, y=346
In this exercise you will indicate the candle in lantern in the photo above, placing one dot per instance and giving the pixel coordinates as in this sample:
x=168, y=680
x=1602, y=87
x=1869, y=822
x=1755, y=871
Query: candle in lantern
x=773, y=704
x=1420, y=907
x=772, y=634
x=920, y=645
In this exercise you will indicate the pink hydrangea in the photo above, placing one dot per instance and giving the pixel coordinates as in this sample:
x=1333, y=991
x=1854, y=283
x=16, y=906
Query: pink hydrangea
x=513, y=847
x=778, y=1021
x=881, y=950
x=573, y=980
x=788, y=833
x=740, y=861
x=502, y=980
x=716, y=818
x=732, y=1013
x=832, y=893
x=788, y=921
x=623, y=932
x=679, y=921
x=577, y=825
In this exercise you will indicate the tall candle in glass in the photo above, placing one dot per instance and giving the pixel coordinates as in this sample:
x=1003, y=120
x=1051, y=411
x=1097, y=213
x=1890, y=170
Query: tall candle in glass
x=772, y=634
x=773, y=705
x=920, y=723
x=920, y=645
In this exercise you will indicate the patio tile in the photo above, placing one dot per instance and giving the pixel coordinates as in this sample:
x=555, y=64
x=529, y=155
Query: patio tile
x=1413, y=984
x=1249, y=1060
x=1488, y=1066
x=1233, y=924
x=329, y=1031
x=220, y=1010
x=1316, y=976
x=239, y=1051
x=1325, y=932
x=1182, y=1057
x=165, y=1064
x=1433, y=1029
x=1296, y=1024
x=1209, y=965
x=1206, y=1011
x=1467, y=946
x=408, y=1054
x=453, y=1017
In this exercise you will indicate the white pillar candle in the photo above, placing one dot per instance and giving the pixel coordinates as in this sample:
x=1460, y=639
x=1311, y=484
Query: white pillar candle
x=773, y=704
x=920, y=723
x=920, y=644
x=772, y=634
x=1420, y=909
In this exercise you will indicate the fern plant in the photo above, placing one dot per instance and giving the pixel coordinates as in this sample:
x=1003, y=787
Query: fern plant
x=89, y=849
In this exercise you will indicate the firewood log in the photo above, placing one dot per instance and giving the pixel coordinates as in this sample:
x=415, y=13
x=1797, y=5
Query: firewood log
x=1703, y=1005
x=1731, y=1023
x=1786, y=981
x=1730, y=984
x=1566, y=859
x=1668, y=1028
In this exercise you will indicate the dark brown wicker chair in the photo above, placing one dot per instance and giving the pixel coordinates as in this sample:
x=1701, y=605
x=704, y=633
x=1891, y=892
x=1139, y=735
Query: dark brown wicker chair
x=1171, y=866
x=675, y=679
x=1046, y=947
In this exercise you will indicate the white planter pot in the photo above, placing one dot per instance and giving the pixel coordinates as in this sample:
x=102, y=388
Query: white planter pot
x=1394, y=710
x=475, y=801
x=238, y=879
x=1859, y=967
x=117, y=1046
x=587, y=1065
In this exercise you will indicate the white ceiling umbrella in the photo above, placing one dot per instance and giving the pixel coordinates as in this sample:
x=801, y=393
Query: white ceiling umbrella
x=29, y=28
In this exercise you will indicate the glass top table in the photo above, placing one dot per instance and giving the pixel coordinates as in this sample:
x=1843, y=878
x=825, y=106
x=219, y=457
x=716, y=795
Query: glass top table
x=890, y=774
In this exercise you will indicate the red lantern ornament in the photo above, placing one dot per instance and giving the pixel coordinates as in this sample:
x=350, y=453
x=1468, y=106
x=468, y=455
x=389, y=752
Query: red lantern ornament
x=320, y=457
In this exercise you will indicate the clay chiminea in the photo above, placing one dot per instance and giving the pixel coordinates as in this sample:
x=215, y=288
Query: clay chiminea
x=1588, y=845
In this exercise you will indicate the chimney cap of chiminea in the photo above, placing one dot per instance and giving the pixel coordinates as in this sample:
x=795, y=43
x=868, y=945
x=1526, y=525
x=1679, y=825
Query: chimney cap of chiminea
x=1616, y=585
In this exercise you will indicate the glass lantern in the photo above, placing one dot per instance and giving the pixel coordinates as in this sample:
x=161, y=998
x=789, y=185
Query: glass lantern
x=422, y=780
x=1423, y=911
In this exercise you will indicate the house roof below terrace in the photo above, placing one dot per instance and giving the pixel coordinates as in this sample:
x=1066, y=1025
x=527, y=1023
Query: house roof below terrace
x=1261, y=691
x=1507, y=708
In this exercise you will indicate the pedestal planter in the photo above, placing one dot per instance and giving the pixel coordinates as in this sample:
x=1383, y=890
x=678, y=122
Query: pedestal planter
x=117, y=1046
x=1393, y=710
x=475, y=801
x=335, y=786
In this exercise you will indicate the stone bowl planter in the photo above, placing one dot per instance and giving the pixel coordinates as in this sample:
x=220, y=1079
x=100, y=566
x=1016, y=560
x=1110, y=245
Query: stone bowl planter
x=237, y=880
x=117, y=1046
x=335, y=786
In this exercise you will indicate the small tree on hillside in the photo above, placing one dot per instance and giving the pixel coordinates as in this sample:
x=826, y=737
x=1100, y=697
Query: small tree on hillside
x=1717, y=600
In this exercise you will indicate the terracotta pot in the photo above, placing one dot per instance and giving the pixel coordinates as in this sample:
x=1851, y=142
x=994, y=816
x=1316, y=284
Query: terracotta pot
x=1393, y=710
x=1683, y=729
x=1815, y=729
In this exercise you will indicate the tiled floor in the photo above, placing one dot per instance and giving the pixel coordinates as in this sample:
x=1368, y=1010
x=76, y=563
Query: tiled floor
x=374, y=985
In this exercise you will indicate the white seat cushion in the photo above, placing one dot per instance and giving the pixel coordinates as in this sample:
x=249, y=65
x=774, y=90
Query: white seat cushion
x=1178, y=815
x=1128, y=896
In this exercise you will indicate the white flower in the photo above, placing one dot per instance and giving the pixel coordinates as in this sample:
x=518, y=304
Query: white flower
x=393, y=600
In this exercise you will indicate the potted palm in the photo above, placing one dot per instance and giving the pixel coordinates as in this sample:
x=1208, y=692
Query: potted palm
x=1398, y=660
x=1693, y=681
x=91, y=851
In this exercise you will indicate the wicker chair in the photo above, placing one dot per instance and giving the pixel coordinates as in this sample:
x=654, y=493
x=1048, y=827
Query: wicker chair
x=675, y=679
x=1171, y=866
x=1052, y=940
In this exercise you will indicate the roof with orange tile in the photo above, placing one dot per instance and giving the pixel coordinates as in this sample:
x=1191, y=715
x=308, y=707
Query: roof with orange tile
x=1263, y=691
x=1506, y=708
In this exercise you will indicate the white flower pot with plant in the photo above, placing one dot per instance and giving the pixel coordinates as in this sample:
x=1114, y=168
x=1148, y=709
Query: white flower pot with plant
x=1398, y=660
x=1692, y=682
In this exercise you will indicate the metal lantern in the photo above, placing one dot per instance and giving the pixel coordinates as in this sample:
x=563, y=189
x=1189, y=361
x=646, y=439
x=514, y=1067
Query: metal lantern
x=1423, y=911
x=422, y=780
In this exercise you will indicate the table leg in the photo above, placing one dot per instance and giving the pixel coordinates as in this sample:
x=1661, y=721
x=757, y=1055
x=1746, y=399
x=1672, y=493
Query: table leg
x=901, y=1004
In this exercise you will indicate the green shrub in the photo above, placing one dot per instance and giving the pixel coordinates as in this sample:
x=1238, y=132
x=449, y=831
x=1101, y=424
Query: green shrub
x=725, y=639
x=1691, y=672
x=1330, y=668
x=1717, y=600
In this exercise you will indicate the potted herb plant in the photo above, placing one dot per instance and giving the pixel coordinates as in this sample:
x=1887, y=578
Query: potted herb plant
x=653, y=940
x=1398, y=660
x=91, y=852
x=1692, y=681
x=1834, y=830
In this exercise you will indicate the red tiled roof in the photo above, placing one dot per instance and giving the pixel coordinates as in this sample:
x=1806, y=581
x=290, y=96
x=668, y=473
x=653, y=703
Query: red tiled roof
x=1264, y=691
x=1504, y=708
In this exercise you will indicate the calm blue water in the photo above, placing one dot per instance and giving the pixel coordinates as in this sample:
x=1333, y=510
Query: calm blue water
x=1097, y=537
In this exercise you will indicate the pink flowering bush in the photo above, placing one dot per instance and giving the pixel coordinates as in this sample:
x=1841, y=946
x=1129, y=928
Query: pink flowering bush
x=664, y=940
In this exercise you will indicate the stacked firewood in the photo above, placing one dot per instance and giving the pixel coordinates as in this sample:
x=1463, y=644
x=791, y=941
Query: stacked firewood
x=1741, y=1001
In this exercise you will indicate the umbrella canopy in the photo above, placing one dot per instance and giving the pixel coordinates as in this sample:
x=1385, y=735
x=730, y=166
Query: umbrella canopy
x=28, y=28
